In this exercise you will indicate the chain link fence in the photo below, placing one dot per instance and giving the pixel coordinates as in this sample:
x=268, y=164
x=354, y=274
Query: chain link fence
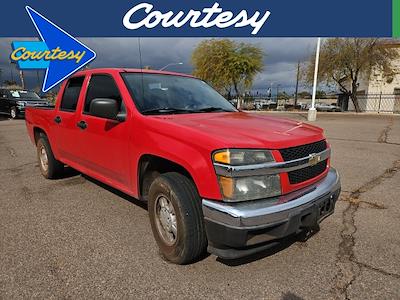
x=385, y=103
x=389, y=103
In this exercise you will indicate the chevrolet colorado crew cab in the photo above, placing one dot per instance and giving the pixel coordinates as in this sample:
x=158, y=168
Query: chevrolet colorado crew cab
x=214, y=178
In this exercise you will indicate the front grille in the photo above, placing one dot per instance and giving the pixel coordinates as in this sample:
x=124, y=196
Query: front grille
x=303, y=150
x=31, y=103
x=307, y=173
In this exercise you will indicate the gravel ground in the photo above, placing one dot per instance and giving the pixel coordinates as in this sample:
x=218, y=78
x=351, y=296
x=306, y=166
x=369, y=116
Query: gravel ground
x=77, y=238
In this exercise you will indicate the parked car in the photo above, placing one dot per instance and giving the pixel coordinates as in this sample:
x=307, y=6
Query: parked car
x=327, y=107
x=303, y=106
x=214, y=178
x=14, y=102
x=264, y=104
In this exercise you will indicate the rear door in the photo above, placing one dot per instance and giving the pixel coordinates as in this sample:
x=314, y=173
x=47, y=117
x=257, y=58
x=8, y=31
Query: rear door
x=65, y=121
x=104, y=144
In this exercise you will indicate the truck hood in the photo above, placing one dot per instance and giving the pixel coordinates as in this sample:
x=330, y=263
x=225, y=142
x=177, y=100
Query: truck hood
x=245, y=130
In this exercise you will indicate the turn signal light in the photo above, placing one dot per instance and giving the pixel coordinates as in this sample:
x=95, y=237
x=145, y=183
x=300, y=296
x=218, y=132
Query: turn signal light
x=226, y=185
x=222, y=157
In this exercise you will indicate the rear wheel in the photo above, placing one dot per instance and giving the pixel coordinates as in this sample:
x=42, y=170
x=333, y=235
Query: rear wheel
x=49, y=166
x=176, y=218
x=13, y=112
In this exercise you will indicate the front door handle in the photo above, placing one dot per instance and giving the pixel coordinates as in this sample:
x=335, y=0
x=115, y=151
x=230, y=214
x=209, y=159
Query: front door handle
x=82, y=124
x=57, y=119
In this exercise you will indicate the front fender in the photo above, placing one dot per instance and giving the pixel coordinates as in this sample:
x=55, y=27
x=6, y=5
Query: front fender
x=195, y=160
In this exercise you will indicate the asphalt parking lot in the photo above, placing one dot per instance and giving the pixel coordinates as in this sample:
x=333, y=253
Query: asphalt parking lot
x=76, y=238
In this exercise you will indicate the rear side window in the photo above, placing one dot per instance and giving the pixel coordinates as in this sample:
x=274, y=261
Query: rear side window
x=71, y=94
x=101, y=86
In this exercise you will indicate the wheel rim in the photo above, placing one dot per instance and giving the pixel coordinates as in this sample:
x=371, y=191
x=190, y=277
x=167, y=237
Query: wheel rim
x=166, y=220
x=13, y=113
x=44, y=162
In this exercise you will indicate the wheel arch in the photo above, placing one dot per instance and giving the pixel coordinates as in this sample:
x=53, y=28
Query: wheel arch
x=37, y=132
x=150, y=166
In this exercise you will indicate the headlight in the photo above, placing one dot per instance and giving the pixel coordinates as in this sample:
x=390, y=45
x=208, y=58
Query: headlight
x=249, y=188
x=240, y=157
x=20, y=103
x=246, y=188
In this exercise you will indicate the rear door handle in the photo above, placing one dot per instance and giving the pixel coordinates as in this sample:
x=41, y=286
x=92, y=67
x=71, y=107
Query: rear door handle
x=57, y=119
x=82, y=124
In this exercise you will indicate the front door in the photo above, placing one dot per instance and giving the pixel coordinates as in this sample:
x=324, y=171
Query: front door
x=105, y=143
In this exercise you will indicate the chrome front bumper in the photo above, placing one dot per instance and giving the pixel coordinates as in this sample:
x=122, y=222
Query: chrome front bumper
x=247, y=224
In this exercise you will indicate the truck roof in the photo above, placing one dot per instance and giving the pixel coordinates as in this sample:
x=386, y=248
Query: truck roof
x=129, y=70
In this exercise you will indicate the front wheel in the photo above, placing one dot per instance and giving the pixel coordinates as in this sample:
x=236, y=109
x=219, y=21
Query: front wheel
x=176, y=218
x=13, y=112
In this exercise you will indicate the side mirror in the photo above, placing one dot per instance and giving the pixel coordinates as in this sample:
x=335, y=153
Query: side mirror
x=106, y=108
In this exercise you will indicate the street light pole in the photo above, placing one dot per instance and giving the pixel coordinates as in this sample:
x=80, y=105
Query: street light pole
x=297, y=85
x=312, y=112
x=171, y=64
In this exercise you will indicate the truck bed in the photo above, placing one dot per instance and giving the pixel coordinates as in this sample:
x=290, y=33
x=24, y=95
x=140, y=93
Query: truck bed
x=40, y=106
x=42, y=115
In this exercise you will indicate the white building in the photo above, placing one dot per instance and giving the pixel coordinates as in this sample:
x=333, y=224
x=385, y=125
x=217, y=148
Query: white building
x=380, y=93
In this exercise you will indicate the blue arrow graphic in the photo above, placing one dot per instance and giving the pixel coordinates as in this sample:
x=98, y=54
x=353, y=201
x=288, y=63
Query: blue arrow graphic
x=59, y=53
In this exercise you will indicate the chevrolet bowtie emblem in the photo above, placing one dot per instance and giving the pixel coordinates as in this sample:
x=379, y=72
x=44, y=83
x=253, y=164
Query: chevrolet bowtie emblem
x=314, y=159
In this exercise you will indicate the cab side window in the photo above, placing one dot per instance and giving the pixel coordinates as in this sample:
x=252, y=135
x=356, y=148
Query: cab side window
x=71, y=94
x=102, y=86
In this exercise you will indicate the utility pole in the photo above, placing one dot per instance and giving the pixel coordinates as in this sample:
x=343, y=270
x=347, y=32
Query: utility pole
x=277, y=97
x=277, y=92
x=38, y=79
x=270, y=92
x=297, y=84
x=312, y=112
x=21, y=76
x=1, y=77
x=12, y=72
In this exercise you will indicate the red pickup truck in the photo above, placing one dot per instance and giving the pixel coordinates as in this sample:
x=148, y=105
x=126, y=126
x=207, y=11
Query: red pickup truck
x=214, y=177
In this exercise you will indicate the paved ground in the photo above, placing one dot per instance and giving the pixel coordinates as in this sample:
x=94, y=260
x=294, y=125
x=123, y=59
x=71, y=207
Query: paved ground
x=75, y=238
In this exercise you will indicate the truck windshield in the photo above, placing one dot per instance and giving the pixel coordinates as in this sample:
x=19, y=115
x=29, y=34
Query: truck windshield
x=169, y=94
x=26, y=95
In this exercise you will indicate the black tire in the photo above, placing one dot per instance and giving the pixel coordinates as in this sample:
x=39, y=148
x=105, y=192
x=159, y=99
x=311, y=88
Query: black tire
x=54, y=167
x=190, y=240
x=13, y=112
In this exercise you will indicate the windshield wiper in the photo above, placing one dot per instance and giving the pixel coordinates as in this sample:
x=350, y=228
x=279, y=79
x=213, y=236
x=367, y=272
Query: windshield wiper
x=211, y=109
x=171, y=110
x=165, y=110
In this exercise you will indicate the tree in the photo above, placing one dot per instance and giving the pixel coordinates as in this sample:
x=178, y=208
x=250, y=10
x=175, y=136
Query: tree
x=283, y=96
x=305, y=95
x=226, y=65
x=344, y=61
x=10, y=83
x=320, y=94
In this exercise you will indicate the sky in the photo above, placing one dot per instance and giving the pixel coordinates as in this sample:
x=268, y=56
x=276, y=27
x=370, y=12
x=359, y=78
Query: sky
x=280, y=59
